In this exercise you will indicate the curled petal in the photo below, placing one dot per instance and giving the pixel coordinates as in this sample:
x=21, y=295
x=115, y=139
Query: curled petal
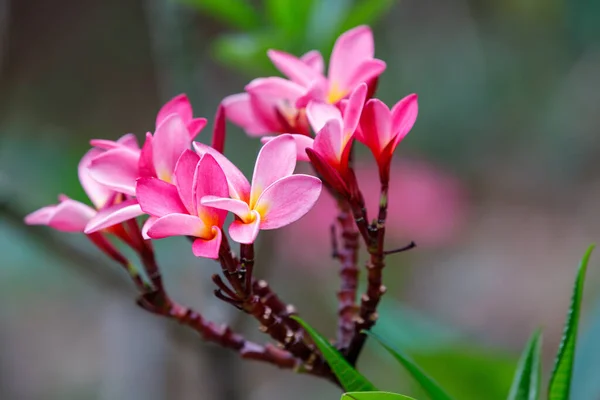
x=219, y=130
x=292, y=67
x=320, y=113
x=170, y=140
x=240, y=110
x=97, y=192
x=195, y=126
x=329, y=142
x=116, y=169
x=353, y=108
x=349, y=50
x=375, y=126
x=276, y=159
x=158, y=198
x=245, y=232
x=179, y=225
x=314, y=59
x=365, y=72
x=238, y=207
x=287, y=200
x=145, y=164
x=184, y=179
x=179, y=105
x=128, y=140
x=208, y=248
x=239, y=187
x=404, y=116
x=149, y=222
x=113, y=215
x=329, y=174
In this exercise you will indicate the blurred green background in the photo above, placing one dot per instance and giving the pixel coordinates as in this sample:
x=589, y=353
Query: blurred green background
x=499, y=184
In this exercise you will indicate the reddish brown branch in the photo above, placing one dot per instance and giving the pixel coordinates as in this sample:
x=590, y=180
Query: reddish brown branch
x=348, y=256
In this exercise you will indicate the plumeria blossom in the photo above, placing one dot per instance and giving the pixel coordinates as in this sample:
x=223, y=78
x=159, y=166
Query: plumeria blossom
x=275, y=198
x=382, y=129
x=118, y=167
x=276, y=105
x=177, y=210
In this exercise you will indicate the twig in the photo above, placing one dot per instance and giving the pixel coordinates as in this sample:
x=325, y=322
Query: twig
x=348, y=256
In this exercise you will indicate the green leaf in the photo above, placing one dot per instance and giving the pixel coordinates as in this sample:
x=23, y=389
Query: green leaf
x=431, y=387
x=526, y=384
x=350, y=379
x=366, y=12
x=560, y=382
x=290, y=16
x=236, y=13
x=374, y=396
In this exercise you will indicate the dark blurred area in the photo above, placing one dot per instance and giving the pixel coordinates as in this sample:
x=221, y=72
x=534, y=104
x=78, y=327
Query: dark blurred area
x=498, y=183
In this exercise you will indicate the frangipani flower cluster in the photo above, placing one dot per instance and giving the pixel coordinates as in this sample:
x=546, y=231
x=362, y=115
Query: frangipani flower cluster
x=187, y=188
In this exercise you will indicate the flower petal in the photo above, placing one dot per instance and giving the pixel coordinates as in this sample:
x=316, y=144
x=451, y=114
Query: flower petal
x=209, y=180
x=287, y=200
x=276, y=87
x=97, y=192
x=292, y=67
x=314, y=59
x=158, y=198
x=245, y=233
x=41, y=216
x=113, y=215
x=239, y=187
x=375, y=126
x=184, y=179
x=240, y=111
x=404, y=116
x=170, y=140
x=195, y=126
x=329, y=174
x=179, y=105
x=128, y=140
x=238, y=207
x=179, y=225
x=365, y=72
x=353, y=109
x=350, y=50
x=208, y=248
x=116, y=169
x=276, y=159
x=302, y=143
x=319, y=114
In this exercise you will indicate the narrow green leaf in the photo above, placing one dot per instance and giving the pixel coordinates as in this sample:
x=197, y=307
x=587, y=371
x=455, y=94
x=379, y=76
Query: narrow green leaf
x=236, y=13
x=526, y=384
x=374, y=396
x=560, y=382
x=351, y=379
x=431, y=387
x=366, y=12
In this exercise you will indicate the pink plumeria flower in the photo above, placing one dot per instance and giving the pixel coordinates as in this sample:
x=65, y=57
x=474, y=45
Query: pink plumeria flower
x=275, y=198
x=382, y=129
x=275, y=105
x=176, y=209
x=120, y=166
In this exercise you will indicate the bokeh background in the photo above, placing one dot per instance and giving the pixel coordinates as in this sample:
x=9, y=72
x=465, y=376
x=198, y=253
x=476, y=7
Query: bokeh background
x=499, y=184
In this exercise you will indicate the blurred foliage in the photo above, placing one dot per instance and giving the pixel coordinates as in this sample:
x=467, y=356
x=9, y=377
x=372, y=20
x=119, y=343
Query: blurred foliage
x=291, y=25
x=527, y=381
